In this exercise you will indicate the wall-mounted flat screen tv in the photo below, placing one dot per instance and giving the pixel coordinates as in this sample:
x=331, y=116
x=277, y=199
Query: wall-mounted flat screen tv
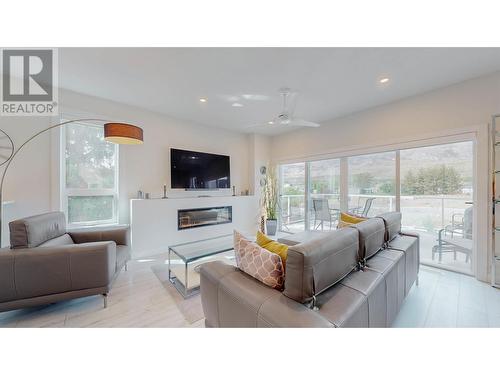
x=199, y=170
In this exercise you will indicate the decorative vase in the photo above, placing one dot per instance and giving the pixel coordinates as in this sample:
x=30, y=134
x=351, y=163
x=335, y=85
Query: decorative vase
x=271, y=226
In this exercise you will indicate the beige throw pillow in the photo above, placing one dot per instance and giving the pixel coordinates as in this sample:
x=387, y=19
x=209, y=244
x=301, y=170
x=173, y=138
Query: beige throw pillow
x=258, y=262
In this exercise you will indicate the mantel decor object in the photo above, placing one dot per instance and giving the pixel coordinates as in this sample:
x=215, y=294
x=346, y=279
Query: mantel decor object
x=164, y=191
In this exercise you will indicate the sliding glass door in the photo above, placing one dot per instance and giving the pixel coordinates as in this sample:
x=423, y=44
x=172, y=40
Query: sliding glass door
x=432, y=186
x=324, y=194
x=372, y=183
x=292, y=200
x=437, y=202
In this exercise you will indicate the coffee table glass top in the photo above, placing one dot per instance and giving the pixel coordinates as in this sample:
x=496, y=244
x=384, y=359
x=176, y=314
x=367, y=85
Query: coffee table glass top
x=191, y=251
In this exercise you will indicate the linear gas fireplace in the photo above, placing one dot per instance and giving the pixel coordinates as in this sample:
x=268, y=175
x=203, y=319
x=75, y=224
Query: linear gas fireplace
x=200, y=217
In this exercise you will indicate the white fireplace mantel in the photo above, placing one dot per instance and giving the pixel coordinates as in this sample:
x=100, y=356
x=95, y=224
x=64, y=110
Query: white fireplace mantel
x=154, y=221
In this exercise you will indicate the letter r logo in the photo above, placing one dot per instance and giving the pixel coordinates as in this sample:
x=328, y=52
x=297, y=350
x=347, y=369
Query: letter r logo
x=28, y=75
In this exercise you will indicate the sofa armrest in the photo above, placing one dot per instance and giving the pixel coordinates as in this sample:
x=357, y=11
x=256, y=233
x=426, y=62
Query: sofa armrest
x=93, y=264
x=417, y=236
x=231, y=298
x=121, y=235
x=411, y=234
x=49, y=270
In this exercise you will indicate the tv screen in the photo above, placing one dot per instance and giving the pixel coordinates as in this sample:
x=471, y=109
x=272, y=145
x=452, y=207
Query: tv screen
x=198, y=170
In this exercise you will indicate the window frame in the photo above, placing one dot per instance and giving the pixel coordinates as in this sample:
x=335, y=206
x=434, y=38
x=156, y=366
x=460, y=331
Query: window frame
x=65, y=192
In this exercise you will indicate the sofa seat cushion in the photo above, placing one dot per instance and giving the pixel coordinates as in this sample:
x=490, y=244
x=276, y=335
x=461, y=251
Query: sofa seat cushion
x=281, y=311
x=410, y=247
x=399, y=258
x=372, y=285
x=402, y=242
x=65, y=239
x=394, y=284
x=343, y=307
x=35, y=230
x=239, y=299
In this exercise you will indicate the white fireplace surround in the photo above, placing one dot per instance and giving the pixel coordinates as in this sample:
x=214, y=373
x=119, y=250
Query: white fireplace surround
x=154, y=221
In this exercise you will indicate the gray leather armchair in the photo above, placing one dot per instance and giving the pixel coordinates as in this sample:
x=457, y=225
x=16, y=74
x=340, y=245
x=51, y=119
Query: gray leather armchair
x=47, y=264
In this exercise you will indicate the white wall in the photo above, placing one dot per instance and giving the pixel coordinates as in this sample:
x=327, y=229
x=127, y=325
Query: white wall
x=27, y=181
x=466, y=107
x=459, y=106
x=32, y=180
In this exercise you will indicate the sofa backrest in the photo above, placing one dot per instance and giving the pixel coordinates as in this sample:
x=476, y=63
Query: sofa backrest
x=316, y=265
x=372, y=235
x=392, y=221
x=35, y=230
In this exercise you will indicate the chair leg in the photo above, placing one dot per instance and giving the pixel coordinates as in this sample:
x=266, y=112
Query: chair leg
x=105, y=296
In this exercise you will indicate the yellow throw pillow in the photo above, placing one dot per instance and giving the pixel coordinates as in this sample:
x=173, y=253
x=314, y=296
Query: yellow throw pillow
x=347, y=220
x=273, y=246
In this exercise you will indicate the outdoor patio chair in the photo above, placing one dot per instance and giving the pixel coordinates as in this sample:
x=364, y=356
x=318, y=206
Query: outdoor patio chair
x=456, y=237
x=323, y=212
x=363, y=211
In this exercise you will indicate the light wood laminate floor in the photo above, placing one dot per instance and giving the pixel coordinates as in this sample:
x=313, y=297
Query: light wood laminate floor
x=138, y=299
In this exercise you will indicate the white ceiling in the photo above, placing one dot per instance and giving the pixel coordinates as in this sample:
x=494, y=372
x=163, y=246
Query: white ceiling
x=331, y=82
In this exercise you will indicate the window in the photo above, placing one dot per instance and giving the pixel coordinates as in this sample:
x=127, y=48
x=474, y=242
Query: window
x=324, y=192
x=372, y=183
x=437, y=202
x=89, y=188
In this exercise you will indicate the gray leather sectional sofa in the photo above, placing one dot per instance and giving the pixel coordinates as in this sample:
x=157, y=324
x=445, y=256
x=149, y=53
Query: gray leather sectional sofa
x=46, y=264
x=354, y=277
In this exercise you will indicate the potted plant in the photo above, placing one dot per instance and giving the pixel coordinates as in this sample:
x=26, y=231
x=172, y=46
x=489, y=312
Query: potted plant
x=270, y=201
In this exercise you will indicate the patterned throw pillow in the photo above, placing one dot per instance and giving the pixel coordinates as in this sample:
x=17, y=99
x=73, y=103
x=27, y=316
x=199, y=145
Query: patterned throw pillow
x=258, y=262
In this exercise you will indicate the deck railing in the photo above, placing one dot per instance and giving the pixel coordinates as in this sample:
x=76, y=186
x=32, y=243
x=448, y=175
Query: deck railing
x=420, y=212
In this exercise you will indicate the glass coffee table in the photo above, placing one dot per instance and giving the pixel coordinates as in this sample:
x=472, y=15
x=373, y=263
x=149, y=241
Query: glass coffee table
x=185, y=259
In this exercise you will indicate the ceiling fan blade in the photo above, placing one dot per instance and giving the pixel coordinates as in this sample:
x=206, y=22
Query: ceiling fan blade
x=300, y=122
x=289, y=101
x=269, y=124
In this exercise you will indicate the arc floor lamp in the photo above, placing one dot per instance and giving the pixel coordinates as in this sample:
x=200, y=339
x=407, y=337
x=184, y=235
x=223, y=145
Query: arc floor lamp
x=115, y=132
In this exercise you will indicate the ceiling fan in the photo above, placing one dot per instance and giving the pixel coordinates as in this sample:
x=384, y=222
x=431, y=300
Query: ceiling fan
x=286, y=117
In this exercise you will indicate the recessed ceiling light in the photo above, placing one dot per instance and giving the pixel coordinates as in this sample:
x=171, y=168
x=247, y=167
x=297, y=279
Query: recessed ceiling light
x=237, y=105
x=271, y=122
x=203, y=100
x=384, y=80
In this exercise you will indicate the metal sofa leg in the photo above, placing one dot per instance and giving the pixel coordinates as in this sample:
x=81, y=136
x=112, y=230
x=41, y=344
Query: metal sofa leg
x=416, y=282
x=105, y=296
x=126, y=266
